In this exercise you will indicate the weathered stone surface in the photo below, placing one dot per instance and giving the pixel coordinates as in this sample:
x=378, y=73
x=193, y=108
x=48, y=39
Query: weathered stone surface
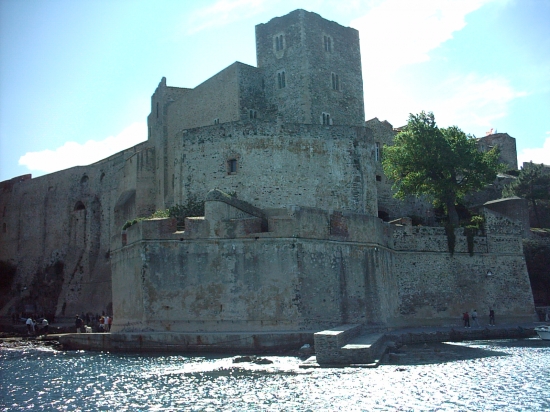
x=298, y=246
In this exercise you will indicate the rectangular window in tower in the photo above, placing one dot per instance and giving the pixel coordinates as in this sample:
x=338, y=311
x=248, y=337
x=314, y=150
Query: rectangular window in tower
x=281, y=80
x=335, y=82
x=216, y=121
x=279, y=43
x=252, y=114
x=328, y=44
x=326, y=119
x=377, y=151
x=232, y=166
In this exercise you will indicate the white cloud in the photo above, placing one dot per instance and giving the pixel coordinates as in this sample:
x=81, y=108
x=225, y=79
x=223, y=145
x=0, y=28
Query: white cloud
x=474, y=102
x=76, y=154
x=401, y=32
x=536, y=155
x=221, y=13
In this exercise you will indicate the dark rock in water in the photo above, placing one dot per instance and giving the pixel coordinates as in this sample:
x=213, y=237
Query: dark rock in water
x=262, y=361
x=252, y=359
x=241, y=359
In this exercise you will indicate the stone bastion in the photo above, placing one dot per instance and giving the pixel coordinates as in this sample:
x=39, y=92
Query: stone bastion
x=244, y=269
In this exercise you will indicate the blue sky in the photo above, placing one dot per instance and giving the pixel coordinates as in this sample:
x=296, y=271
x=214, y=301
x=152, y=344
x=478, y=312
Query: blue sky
x=76, y=77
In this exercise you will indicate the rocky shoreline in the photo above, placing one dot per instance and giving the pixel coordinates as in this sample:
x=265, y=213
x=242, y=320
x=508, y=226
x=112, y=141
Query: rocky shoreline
x=29, y=342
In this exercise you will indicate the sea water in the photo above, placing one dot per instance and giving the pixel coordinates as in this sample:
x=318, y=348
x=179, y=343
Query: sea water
x=504, y=375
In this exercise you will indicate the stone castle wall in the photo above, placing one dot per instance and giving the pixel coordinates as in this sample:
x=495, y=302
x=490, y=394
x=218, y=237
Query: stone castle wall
x=311, y=270
x=307, y=165
x=58, y=230
x=271, y=280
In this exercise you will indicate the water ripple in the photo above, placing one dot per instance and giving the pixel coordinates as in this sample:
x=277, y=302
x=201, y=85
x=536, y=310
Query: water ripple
x=473, y=376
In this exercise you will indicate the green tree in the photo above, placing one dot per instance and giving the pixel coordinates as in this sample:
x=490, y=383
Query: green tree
x=533, y=184
x=441, y=164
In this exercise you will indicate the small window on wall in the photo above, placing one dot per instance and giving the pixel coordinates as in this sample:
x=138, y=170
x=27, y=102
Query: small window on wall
x=232, y=166
x=79, y=206
x=281, y=79
x=328, y=43
x=378, y=178
x=279, y=42
x=335, y=82
x=326, y=119
x=216, y=121
x=252, y=114
x=377, y=151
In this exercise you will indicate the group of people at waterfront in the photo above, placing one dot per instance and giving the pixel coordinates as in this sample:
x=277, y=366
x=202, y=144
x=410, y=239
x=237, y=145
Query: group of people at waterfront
x=466, y=318
x=34, y=326
x=93, y=323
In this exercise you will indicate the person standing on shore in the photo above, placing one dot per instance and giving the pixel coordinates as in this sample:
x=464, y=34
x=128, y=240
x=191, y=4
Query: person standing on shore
x=30, y=326
x=491, y=317
x=466, y=319
x=78, y=323
x=45, y=326
x=474, y=318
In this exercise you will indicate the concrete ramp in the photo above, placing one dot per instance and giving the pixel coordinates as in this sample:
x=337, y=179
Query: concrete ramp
x=348, y=345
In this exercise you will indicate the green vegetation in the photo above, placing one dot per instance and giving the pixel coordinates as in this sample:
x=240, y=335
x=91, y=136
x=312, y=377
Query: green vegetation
x=533, y=184
x=193, y=207
x=441, y=164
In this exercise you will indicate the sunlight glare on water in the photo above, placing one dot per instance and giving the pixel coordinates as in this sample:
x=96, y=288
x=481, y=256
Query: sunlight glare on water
x=473, y=376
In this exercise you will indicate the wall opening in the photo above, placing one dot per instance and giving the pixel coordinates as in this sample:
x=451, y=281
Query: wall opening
x=384, y=215
x=279, y=42
x=79, y=206
x=281, y=79
x=232, y=166
x=335, y=81
x=328, y=43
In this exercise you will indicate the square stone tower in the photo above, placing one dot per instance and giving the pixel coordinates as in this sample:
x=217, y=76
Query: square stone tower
x=312, y=69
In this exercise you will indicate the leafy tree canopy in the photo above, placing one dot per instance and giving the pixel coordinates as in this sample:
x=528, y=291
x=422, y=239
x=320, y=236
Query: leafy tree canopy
x=442, y=164
x=533, y=184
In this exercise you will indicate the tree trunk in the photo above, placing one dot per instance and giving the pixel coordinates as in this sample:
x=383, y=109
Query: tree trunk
x=535, y=208
x=451, y=211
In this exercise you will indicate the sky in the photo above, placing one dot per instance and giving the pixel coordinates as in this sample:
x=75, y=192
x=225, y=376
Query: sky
x=76, y=77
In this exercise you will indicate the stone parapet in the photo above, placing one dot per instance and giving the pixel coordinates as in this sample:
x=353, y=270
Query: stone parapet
x=150, y=229
x=434, y=239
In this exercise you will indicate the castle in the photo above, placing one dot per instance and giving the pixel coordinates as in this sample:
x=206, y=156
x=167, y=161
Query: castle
x=299, y=246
